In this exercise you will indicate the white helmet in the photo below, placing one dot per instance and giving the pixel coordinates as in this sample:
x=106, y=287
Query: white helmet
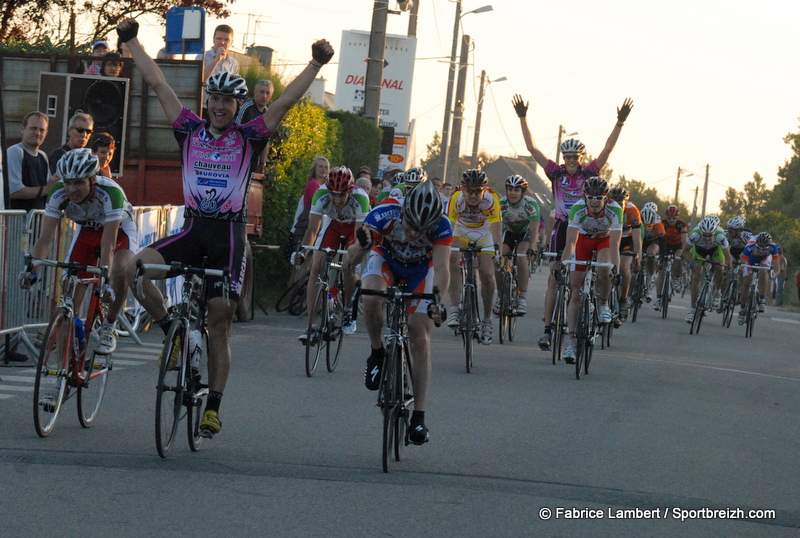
x=77, y=164
x=650, y=205
x=708, y=225
x=736, y=223
x=648, y=215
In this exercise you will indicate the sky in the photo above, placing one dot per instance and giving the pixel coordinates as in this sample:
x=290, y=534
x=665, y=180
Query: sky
x=713, y=83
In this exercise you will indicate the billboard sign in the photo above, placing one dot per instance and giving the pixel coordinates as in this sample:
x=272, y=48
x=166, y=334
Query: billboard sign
x=398, y=73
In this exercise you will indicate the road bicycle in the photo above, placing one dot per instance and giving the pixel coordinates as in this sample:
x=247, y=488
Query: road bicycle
x=607, y=329
x=69, y=363
x=469, y=319
x=180, y=391
x=705, y=299
x=730, y=298
x=509, y=293
x=589, y=327
x=535, y=261
x=639, y=291
x=666, y=285
x=396, y=391
x=751, y=306
x=558, y=321
x=326, y=336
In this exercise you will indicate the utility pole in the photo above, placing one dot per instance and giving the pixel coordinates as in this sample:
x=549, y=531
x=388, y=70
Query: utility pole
x=561, y=131
x=705, y=193
x=474, y=160
x=412, y=19
x=445, y=145
x=377, y=46
x=677, y=186
x=458, y=116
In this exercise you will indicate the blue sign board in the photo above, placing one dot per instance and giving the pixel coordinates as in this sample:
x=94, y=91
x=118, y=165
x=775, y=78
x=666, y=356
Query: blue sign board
x=186, y=26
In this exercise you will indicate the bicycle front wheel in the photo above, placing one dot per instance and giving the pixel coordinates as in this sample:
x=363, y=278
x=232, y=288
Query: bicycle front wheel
x=505, y=304
x=666, y=294
x=512, y=316
x=558, y=324
x=583, y=335
x=700, y=310
x=470, y=323
x=334, y=349
x=170, y=389
x=315, y=336
x=750, y=315
x=52, y=372
x=97, y=366
x=390, y=402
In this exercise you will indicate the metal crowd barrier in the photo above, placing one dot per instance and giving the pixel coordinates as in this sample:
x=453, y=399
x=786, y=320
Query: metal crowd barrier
x=24, y=312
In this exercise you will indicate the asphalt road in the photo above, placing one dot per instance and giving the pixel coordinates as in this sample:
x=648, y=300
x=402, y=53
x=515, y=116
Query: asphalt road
x=683, y=429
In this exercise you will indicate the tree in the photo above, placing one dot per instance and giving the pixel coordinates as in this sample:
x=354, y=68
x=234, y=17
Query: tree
x=432, y=150
x=35, y=21
x=733, y=203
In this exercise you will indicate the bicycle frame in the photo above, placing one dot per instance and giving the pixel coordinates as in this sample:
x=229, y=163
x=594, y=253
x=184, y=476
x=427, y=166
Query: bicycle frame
x=751, y=307
x=64, y=357
x=395, y=392
x=180, y=391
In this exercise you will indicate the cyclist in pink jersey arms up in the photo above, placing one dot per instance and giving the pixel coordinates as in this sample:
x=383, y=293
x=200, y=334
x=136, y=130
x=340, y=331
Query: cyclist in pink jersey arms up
x=217, y=157
x=567, y=183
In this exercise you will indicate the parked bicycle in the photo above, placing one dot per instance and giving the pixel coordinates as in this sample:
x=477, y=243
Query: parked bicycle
x=293, y=300
x=396, y=391
x=180, y=391
x=326, y=336
x=69, y=363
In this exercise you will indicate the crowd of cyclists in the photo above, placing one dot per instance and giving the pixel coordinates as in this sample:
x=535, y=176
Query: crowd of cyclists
x=407, y=234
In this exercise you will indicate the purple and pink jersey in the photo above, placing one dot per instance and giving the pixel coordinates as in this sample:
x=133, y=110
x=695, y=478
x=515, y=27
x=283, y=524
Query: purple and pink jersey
x=568, y=189
x=216, y=171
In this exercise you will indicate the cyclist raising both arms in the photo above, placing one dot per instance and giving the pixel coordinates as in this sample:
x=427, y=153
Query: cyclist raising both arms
x=215, y=216
x=521, y=217
x=593, y=233
x=408, y=241
x=630, y=246
x=106, y=230
x=760, y=251
x=567, y=182
x=474, y=212
x=707, y=241
x=338, y=208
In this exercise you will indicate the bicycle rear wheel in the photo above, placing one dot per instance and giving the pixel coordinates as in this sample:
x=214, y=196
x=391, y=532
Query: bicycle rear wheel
x=170, y=388
x=97, y=365
x=315, y=336
x=52, y=371
x=196, y=393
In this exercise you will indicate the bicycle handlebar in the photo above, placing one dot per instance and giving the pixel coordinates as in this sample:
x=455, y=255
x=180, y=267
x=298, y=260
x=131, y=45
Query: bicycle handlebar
x=394, y=293
x=178, y=268
x=474, y=250
x=326, y=250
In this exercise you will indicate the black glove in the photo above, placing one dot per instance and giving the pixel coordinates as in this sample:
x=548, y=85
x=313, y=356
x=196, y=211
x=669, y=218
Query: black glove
x=530, y=253
x=519, y=106
x=616, y=279
x=622, y=113
x=363, y=240
x=129, y=33
x=319, y=53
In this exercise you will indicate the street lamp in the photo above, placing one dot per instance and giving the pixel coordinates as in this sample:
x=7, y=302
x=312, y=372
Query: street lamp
x=561, y=131
x=445, y=142
x=474, y=159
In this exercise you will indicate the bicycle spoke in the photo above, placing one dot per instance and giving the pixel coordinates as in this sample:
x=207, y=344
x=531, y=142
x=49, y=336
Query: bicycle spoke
x=51, y=373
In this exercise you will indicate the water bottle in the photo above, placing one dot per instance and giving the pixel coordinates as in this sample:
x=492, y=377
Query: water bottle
x=195, y=341
x=80, y=334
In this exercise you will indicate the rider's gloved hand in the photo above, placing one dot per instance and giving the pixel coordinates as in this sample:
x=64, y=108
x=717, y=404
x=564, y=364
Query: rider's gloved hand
x=520, y=107
x=127, y=30
x=437, y=312
x=322, y=52
x=107, y=295
x=616, y=279
x=297, y=258
x=363, y=239
x=27, y=279
x=624, y=110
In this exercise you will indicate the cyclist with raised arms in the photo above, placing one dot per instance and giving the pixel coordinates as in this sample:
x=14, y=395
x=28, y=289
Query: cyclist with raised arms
x=106, y=230
x=675, y=236
x=593, y=233
x=408, y=241
x=630, y=246
x=217, y=156
x=707, y=241
x=474, y=213
x=567, y=183
x=337, y=210
x=763, y=252
x=521, y=217
x=653, y=244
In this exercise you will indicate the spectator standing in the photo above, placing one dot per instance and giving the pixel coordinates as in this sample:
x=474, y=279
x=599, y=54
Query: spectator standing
x=103, y=145
x=262, y=94
x=218, y=59
x=99, y=49
x=79, y=131
x=27, y=165
x=780, y=277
